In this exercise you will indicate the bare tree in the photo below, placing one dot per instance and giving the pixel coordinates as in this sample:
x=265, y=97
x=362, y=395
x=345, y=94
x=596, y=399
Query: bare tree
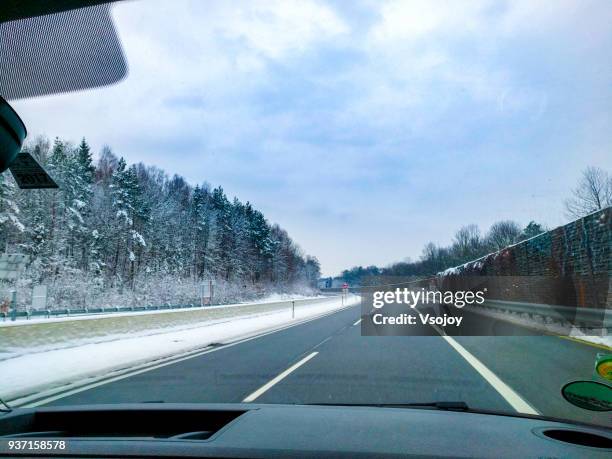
x=39, y=148
x=467, y=243
x=594, y=192
x=107, y=163
x=429, y=257
x=502, y=234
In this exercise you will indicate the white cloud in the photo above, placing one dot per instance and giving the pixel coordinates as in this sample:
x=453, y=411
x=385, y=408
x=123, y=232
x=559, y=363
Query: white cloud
x=435, y=53
x=412, y=20
x=415, y=19
x=278, y=28
x=191, y=63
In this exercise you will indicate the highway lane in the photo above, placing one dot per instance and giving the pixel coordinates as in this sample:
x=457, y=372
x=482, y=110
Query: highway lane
x=226, y=375
x=390, y=369
x=327, y=360
x=538, y=366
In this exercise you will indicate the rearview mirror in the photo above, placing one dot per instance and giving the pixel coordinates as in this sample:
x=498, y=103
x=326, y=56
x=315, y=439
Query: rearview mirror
x=590, y=395
x=12, y=134
x=25, y=169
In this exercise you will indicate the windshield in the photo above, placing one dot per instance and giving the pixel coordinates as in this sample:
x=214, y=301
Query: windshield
x=304, y=202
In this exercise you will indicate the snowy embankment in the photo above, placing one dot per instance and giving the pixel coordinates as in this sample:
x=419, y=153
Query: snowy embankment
x=44, y=334
x=78, y=358
x=551, y=327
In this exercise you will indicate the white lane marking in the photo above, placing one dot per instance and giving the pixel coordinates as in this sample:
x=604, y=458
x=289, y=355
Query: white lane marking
x=54, y=395
x=279, y=378
x=323, y=342
x=357, y=323
x=514, y=399
x=501, y=387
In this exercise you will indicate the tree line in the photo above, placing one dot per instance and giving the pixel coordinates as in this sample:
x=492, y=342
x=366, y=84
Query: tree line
x=468, y=244
x=123, y=233
x=592, y=193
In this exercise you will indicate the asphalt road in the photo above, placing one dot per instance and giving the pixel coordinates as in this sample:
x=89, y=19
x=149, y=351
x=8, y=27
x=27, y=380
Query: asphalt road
x=327, y=360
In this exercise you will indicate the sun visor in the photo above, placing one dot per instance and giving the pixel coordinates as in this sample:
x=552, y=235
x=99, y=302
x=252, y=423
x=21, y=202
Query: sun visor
x=60, y=52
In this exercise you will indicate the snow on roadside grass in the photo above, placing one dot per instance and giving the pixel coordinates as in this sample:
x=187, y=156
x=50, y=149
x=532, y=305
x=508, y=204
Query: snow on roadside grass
x=50, y=334
x=35, y=372
x=285, y=297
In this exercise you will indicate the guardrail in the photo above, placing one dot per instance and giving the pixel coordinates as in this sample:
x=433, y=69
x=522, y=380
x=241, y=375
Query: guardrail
x=53, y=333
x=67, y=312
x=48, y=313
x=334, y=290
x=579, y=316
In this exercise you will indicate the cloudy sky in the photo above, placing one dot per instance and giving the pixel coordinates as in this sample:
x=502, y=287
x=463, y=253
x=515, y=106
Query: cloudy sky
x=366, y=129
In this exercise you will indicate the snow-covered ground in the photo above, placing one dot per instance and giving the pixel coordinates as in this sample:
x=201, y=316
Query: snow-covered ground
x=47, y=334
x=30, y=373
x=284, y=297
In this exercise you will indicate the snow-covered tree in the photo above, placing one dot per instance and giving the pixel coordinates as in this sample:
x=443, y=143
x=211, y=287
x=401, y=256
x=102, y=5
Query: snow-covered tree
x=115, y=234
x=9, y=211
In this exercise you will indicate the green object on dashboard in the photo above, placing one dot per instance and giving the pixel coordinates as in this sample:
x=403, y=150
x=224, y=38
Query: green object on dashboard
x=589, y=395
x=603, y=366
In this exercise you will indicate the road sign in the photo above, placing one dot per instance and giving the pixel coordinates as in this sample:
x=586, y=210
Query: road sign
x=39, y=297
x=29, y=174
x=207, y=292
x=11, y=264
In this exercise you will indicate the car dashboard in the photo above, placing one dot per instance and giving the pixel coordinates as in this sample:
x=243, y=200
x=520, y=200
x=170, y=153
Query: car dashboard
x=250, y=430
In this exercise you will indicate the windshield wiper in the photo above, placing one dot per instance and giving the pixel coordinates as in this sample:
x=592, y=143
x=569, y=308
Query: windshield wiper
x=8, y=408
x=450, y=406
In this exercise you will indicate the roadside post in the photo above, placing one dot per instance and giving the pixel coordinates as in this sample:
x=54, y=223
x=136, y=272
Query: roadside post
x=13, y=305
x=293, y=309
x=206, y=295
x=345, y=288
